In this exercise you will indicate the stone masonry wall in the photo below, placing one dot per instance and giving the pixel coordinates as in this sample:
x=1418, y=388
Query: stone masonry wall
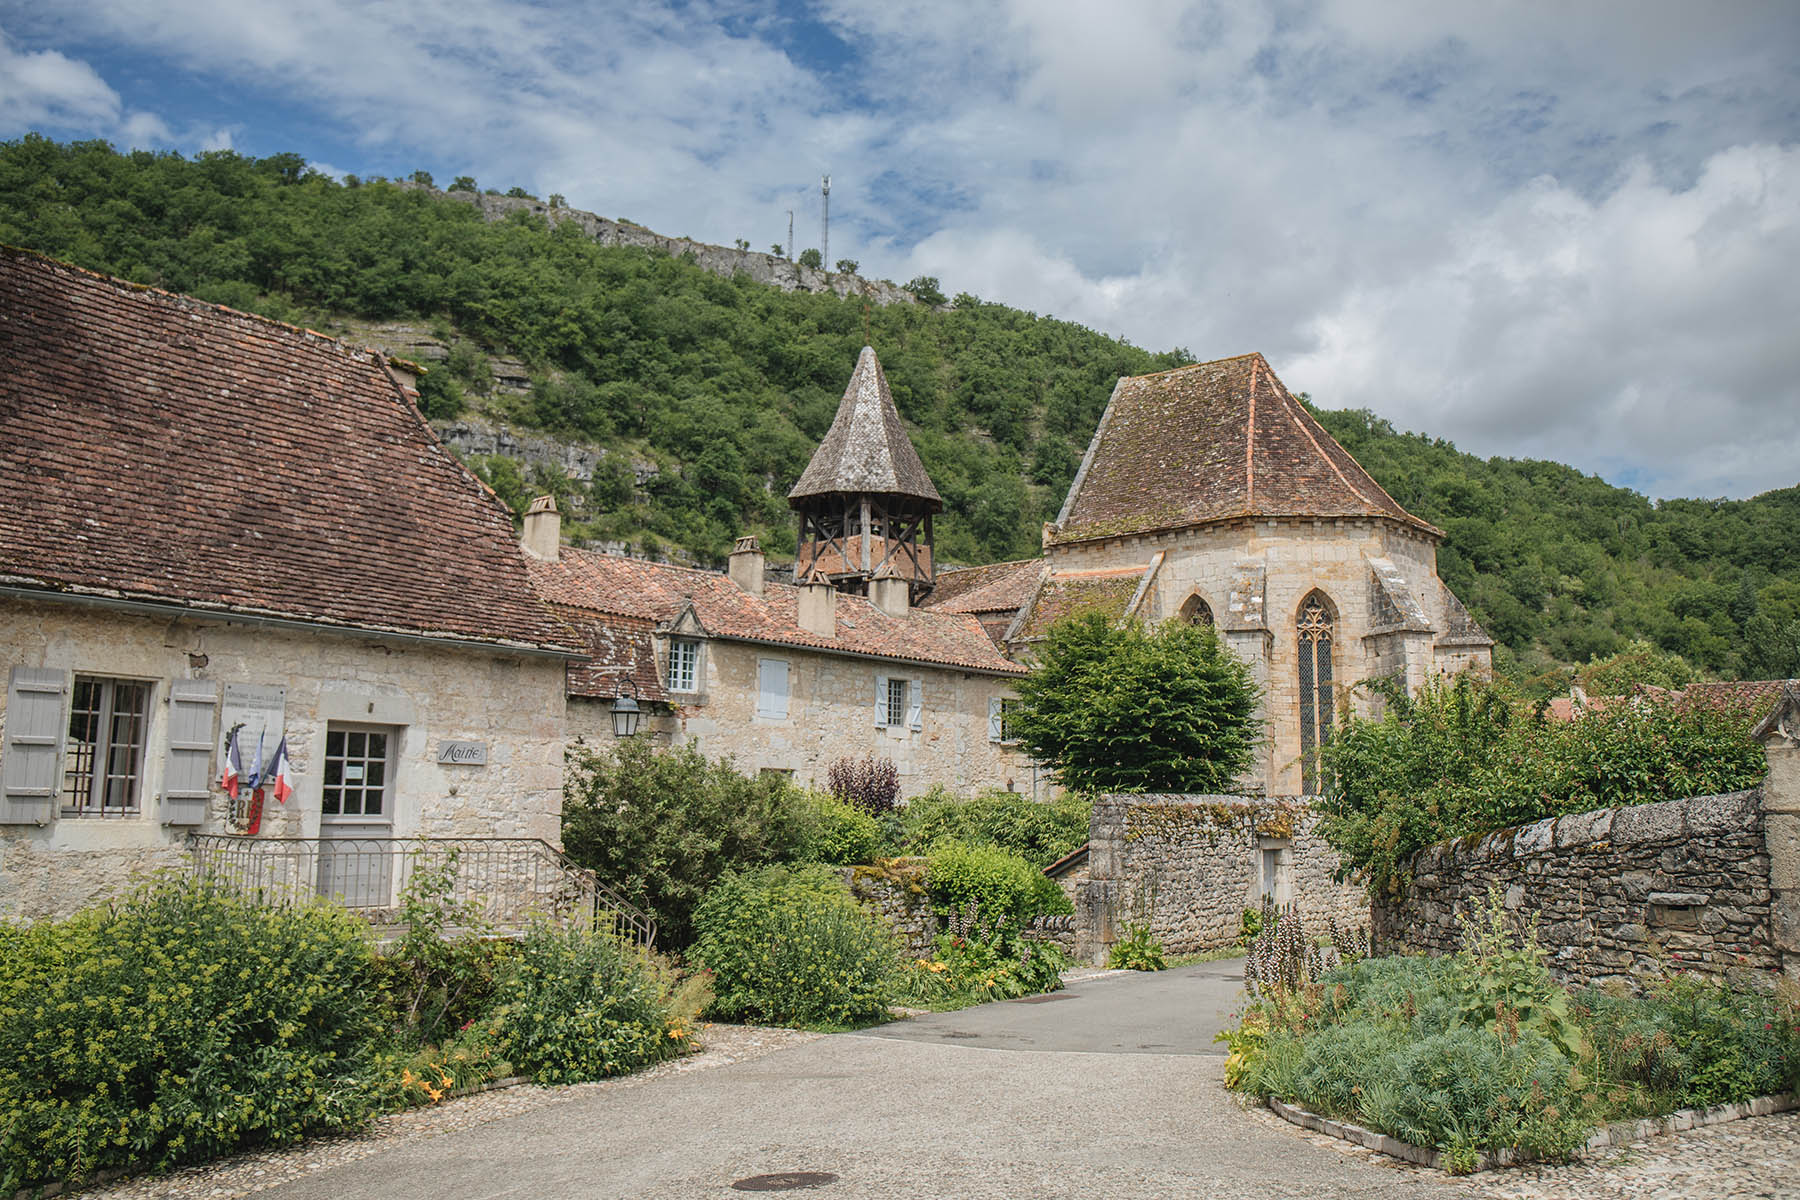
x=831, y=714
x=1615, y=892
x=423, y=694
x=896, y=892
x=1188, y=866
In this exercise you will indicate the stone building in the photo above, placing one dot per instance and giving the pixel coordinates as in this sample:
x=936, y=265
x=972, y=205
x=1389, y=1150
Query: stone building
x=212, y=522
x=791, y=677
x=1210, y=494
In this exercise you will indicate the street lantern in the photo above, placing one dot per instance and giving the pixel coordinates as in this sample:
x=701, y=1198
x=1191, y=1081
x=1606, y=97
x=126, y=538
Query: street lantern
x=625, y=711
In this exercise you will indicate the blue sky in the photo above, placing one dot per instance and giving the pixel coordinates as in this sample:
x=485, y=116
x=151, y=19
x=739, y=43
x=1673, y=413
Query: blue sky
x=1569, y=231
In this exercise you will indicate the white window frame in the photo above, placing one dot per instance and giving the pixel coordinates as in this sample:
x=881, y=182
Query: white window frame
x=998, y=707
x=768, y=705
x=683, y=673
x=388, y=759
x=101, y=771
x=895, y=692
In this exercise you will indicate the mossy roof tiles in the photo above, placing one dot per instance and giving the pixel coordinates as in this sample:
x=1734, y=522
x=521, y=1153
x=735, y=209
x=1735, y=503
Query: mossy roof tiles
x=996, y=587
x=164, y=450
x=1217, y=441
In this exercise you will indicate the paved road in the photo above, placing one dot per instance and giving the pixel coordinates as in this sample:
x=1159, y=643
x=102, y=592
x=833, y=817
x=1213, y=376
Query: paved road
x=1112, y=1092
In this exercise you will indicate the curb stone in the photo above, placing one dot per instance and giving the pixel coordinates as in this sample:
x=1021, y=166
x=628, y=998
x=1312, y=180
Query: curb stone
x=1619, y=1133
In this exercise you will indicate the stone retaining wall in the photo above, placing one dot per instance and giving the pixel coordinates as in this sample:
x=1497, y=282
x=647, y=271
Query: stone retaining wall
x=896, y=891
x=1188, y=866
x=1615, y=892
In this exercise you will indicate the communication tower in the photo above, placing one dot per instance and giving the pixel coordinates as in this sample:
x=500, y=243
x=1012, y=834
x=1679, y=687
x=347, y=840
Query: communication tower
x=825, y=223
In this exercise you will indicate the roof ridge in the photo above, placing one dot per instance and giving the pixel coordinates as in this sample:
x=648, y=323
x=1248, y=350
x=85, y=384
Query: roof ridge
x=183, y=300
x=1211, y=362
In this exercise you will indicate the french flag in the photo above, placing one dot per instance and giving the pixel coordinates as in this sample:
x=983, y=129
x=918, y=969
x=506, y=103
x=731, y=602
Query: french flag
x=283, y=771
x=234, y=765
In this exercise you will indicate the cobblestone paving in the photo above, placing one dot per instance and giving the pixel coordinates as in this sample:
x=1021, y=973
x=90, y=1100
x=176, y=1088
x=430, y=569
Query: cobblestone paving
x=248, y=1173
x=1755, y=1158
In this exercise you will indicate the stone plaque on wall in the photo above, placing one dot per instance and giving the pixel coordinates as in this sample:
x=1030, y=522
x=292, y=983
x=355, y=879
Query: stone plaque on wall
x=463, y=754
x=257, y=712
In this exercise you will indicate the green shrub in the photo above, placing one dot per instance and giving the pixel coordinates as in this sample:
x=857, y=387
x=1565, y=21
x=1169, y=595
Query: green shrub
x=1040, y=831
x=1000, y=884
x=436, y=984
x=1138, y=950
x=1692, y=1042
x=660, y=826
x=978, y=959
x=581, y=1005
x=791, y=947
x=183, y=1023
x=1466, y=757
x=843, y=833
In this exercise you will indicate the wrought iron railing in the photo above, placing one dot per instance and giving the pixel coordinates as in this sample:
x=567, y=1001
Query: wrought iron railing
x=503, y=883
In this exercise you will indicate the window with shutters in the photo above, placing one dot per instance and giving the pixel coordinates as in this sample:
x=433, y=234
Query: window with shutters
x=772, y=688
x=894, y=703
x=684, y=664
x=103, y=757
x=356, y=773
x=1000, y=715
x=1314, y=627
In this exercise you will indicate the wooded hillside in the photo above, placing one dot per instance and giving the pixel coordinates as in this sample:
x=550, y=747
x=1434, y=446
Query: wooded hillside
x=724, y=386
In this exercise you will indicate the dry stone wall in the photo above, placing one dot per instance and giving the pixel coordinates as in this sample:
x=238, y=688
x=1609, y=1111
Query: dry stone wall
x=1615, y=893
x=895, y=891
x=1188, y=866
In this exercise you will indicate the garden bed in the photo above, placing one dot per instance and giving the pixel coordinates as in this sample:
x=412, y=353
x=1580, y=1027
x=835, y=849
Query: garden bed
x=1618, y=1133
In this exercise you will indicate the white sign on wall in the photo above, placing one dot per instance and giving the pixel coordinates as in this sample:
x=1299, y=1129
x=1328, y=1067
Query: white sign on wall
x=467, y=754
x=258, y=713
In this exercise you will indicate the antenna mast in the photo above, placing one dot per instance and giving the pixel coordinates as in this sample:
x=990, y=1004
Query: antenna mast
x=825, y=223
x=790, y=235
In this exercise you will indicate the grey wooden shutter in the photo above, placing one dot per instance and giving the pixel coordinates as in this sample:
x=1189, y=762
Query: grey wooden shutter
x=881, y=701
x=31, y=760
x=915, y=708
x=187, y=775
x=996, y=721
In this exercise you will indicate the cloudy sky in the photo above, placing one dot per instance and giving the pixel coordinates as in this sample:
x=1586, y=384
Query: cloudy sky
x=1566, y=230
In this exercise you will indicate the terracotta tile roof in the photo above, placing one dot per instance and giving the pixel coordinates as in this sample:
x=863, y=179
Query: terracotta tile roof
x=866, y=449
x=1752, y=694
x=996, y=587
x=161, y=449
x=612, y=642
x=612, y=584
x=1073, y=593
x=1071, y=861
x=1214, y=442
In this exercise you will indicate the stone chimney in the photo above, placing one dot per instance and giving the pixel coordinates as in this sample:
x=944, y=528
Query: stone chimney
x=543, y=529
x=890, y=593
x=746, y=567
x=818, y=605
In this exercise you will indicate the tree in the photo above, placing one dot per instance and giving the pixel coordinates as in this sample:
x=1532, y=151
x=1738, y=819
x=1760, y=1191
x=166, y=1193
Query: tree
x=925, y=290
x=847, y=266
x=422, y=178
x=558, y=200
x=741, y=243
x=812, y=258
x=1114, y=708
x=519, y=193
x=776, y=250
x=463, y=183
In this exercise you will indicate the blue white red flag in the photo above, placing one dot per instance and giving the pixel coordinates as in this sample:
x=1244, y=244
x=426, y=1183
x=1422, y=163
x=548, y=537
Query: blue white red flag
x=283, y=771
x=233, y=765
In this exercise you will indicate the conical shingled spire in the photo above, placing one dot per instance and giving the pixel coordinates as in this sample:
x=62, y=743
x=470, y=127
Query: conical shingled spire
x=867, y=450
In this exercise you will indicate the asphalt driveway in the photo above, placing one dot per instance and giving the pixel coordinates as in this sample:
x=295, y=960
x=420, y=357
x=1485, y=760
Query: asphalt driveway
x=1111, y=1091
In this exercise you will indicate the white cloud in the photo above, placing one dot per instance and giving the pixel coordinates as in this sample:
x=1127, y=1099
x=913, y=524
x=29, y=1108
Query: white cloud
x=1530, y=227
x=45, y=88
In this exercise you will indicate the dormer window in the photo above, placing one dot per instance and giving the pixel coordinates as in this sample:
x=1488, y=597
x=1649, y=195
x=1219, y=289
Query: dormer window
x=684, y=664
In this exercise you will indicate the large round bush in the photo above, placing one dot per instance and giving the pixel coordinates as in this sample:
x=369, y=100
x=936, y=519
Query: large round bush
x=580, y=1005
x=182, y=1023
x=791, y=947
x=1001, y=885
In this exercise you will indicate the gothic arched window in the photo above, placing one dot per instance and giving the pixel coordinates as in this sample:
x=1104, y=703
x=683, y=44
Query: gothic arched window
x=1196, y=611
x=1314, y=627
